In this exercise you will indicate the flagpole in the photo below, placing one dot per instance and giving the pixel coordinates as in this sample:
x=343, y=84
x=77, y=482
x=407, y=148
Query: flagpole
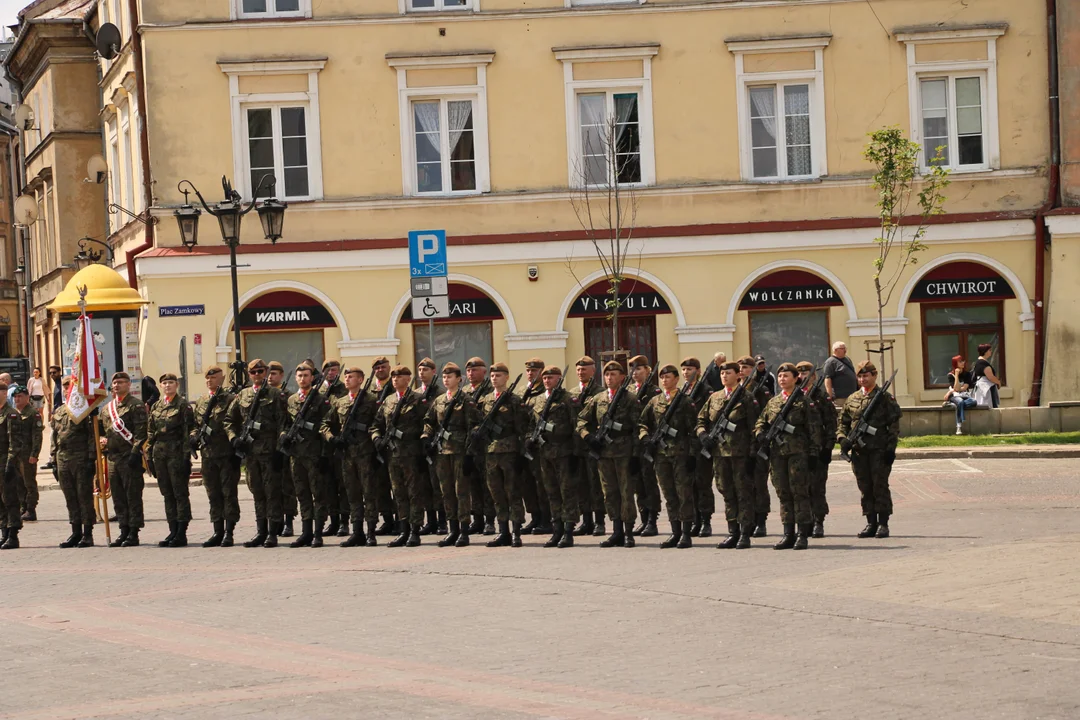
x=99, y=472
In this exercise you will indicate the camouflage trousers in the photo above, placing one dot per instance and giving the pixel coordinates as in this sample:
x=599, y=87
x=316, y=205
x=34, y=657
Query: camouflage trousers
x=456, y=491
x=173, y=470
x=818, y=503
x=312, y=486
x=27, y=488
x=221, y=478
x=264, y=482
x=476, y=472
x=332, y=483
x=10, y=512
x=872, y=476
x=677, y=482
x=590, y=487
x=762, y=496
x=503, y=482
x=289, y=504
x=736, y=486
x=384, y=489
x=126, y=484
x=412, y=489
x=533, y=492
x=341, y=490
x=704, y=499
x=791, y=478
x=77, y=484
x=359, y=477
x=559, y=488
x=648, y=488
x=618, y=484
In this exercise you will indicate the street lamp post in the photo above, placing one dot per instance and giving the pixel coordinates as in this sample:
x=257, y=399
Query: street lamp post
x=88, y=256
x=229, y=213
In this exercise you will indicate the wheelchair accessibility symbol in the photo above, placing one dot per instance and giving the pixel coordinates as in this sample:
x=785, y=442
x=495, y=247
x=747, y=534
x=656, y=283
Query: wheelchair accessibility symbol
x=431, y=308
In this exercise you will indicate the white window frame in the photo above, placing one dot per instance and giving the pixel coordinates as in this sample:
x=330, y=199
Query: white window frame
x=477, y=93
x=813, y=78
x=642, y=86
x=308, y=99
x=112, y=137
x=405, y=6
x=952, y=157
x=609, y=112
x=236, y=11
x=444, y=142
x=987, y=69
x=586, y=3
x=278, y=141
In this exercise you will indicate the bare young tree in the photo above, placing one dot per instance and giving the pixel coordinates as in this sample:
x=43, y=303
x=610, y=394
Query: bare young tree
x=603, y=193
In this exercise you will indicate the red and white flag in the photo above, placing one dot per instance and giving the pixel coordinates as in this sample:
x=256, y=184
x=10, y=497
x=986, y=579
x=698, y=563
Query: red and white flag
x=88, y=389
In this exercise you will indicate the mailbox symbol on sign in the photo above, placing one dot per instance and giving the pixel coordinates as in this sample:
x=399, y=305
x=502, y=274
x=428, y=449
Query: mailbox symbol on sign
x=427, y=253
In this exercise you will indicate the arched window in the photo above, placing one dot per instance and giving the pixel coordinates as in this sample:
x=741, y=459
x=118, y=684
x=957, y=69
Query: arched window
x=286, y=326
x=639, y=304
x=789, y=316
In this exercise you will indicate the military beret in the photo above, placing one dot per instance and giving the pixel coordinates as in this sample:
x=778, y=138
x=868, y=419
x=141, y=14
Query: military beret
x=329, y=364
x=475, y=362
x=401, y=370
x=552, y=370
x=668, y=369
x=275, y=365
x=353, y=369
x=426, y=362
x=866, y=367
x=381, y=360
x=212, y=371
x=167, y=376
x=3, y=386
x=691, y=362
x=638, y=361
x=787, y=367
x=120, y=376
x=534, y=364
x=451, y=368
x=256, y=364
x=746, y=360
x=16, y=389
x=733, y=366
x=613, y=365
x=305, y=366
x=499, y=367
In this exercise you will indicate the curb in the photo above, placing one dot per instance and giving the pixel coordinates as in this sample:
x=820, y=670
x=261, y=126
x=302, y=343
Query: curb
x=987, y=452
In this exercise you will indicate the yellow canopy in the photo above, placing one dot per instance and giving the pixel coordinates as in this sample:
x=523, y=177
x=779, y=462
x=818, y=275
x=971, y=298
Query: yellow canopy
x=105, y=290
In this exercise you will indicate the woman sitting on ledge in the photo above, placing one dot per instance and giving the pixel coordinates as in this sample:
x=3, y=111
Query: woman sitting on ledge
x=959, y=392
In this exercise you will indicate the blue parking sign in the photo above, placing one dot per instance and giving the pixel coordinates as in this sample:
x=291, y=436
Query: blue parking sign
x=427, y=253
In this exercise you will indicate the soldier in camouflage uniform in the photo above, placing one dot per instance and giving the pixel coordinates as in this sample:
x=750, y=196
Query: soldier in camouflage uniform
x=704, y=501
x=475, y=465
x=167, y=444
x=671, y=459
x=337, y=498
x=352, y=447
x=793, y=457
x=615, y=455
x=25, y=444
x=532, y=483
x=502, y=455
x=275, y=375
x=220, y=466
x=123, y=435
x=872, y=462
x=760, y=472
x=263, y=469
x=315, y=486
x=552, y=458
x=380, y=389
x=10, y=481
x=449, y=461
x=828, y=414
x=425, y=381
x=585, y=469
x=397, y=439
x=73, y=457
x=648, y=488
x=731, y=456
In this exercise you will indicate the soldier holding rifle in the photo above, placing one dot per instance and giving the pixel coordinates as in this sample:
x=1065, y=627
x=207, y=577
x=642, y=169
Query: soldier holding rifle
x=345, y=429
x=551, y=444
x=220, y=466
x=666, y=426
x=396, y=434
x=449, y=420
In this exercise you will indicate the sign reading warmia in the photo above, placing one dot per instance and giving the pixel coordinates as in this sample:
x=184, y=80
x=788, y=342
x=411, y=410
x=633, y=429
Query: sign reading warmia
x=790, y=289
x=284, y=310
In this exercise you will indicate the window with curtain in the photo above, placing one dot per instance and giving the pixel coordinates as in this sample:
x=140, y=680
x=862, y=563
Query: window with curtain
x=422, y=5
x=445, y=147
x=950, y=330
x=271, y=8
x=952, y=120
x=780, y=140
x=277, y=145
x=610, y=138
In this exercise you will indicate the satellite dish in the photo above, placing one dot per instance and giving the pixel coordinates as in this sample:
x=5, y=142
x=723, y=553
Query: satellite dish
x=26, y=210
x=24, y=117
x=96, y=169
x=108, y=41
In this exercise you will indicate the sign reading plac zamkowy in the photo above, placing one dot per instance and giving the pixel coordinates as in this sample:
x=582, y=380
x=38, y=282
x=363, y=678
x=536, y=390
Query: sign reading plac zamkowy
x=427, y=253
x=180, y=310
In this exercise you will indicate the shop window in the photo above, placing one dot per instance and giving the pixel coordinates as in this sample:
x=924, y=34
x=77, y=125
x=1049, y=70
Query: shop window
x=278, y=145
x=445, y=146
x=950, y=330
x=289, y=347
x=790, y=336
x=453, y=342
x=637, y=335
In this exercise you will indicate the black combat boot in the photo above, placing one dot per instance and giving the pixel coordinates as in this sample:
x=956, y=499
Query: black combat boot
x=819, y=529
x=29, y=516
x=545, y=525
x=684, y=540
x=503, y=538
x=317, y=541
x=219, y=535
x=306, y=536
x=332, y=526
x=515, y=534
x=628, y=541
x=287, y=526
x=74, y=538
x=87, y=536
x=477, y=526
x=388, y=526
x=489, y=524
x=600, y=530
x=695, y=529
x=169, y=538
x=883, y=526
x=357, y=536
x=273, y=530
x=760, y=530
x=452, y=536
x=12, y=542
x=402, y=537
x=706, y=526
x=260, y=535
x=343, y=529
x=119, y=541
x=463, y=538
x=227, y=538
x=556, y=534
x=533, y=522
x=673, y=539
x=744, y=536
x=3, y=535
x=568, y=535
x=132, y=539
x=788, y=540
x=871, y=526
x=641, y=526
x=732, y=540
x=369, y=539
x=617, y=537
x=414, y=537
x=180, y=538
x=432, y=524
x=650, y=525
x=440, y=519
x=801, y=538
x=587, y=526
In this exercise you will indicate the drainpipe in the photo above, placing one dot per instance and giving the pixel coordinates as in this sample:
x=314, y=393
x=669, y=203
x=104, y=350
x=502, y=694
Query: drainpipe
x=1042, y=239
x=144, y=143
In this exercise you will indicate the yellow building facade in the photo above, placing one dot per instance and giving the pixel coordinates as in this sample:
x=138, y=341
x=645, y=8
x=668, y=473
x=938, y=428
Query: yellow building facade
x=739, y=130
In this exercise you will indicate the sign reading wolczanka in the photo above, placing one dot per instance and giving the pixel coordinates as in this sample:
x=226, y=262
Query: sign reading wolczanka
x=790, y=289
x=962, y=281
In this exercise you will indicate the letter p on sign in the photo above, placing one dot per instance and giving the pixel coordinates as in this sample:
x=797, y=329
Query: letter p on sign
x=427, y=253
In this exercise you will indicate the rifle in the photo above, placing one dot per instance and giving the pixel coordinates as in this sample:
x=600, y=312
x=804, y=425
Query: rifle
x=196, y=443
x=603, y=432
x=663, y=431
x=347, y=427
x=536, y=437
x=435, y=443
x=649, y=381
x=779, y=424
x=488, y=426
x=245, y=439
x=533, y=390
x=695, y=392
x=392, y=433
x=762, y=376
x=863, y=427
x=482, y=388
x=723, y=425
x=299, y=422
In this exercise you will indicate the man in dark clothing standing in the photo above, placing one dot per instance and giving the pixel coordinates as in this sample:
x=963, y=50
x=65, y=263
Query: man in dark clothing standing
x=840, y=380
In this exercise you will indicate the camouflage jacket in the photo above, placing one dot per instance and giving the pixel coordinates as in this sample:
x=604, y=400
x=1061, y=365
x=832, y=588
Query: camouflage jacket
x=333, y=423
x=169, y=426
x=559, y=440
x=270, y=418
x=744, y=416
x=214, y=441
x=71, y=441
x=309, y=441
x=464, y=418
x=596, y=408
x=6, y=411
x=409, y=423
x=804, y=417
x=886, y=419
x=132, y=413
x=24, y=432
x=579, y=394
x=829, y=417
x=509, y=424
x=682, y=422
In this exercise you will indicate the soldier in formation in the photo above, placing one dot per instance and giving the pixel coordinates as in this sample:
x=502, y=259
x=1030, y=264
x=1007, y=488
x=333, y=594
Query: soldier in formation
x=220, y=465
x=168, y=446
x=73, y=456
x=10, y=511
x=124, y=424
